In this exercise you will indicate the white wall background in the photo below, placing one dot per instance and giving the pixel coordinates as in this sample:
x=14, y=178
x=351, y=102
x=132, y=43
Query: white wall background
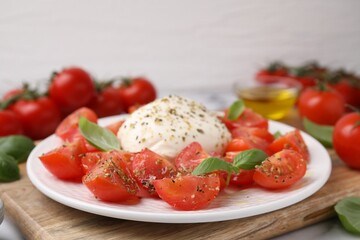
x=178, y=44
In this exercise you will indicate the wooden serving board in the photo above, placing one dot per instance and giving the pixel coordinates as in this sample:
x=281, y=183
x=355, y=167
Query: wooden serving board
x=39, y=217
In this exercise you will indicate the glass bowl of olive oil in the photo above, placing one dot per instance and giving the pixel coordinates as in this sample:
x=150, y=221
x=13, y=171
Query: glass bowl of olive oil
x=272, y=100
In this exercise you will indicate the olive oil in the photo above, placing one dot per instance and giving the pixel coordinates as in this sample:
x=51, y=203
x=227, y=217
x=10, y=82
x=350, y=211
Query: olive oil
x=272, y=102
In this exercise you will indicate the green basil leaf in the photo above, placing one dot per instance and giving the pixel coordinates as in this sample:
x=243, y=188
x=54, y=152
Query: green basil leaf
x=235, y=110
x=17, y=146
x=348, y=211
x=97, y=136
x=277, y=134
x=323, y=133
x=214, y=164
x=9, y=169
x=248, y=159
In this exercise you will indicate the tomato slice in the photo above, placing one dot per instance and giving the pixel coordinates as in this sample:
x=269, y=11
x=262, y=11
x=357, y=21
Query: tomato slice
x=247, y=119
x=68, y=129
x=246, y=143
x=110, y=179
x=148, y=166
x=280, y=170
x=262, y=133
x=190, y=157
x=291, y=140
x=64, y=162
x=114, y=127
x=244, y=177
x=188, y=192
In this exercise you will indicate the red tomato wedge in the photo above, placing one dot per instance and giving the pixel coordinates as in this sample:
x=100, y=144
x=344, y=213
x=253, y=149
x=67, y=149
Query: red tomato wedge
x=280, y=170
x=248, y=118
x=64, y=162
x=291, y=140
x=190, y=157
x=244, y=177
x=188, y=192
x=148, y=166
x=262, y=133
x=110, y=179
x=68, y=129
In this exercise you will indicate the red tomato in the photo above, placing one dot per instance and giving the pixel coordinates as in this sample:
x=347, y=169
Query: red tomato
x=188, y=192
x=322, y=107
x=68, y=129
x=280, y=170
x=137, y=91
x=64, y=162
x=190, y=157
x=39, y=117
x=148, y=166
x=107, y=102
x=9, y=123
x=71, y=89
x=351, y=94
x=252, y=132
x=13, y=93
x=346, y=138
x=246, y=143
x=274, y=69
x=291, y=140
x=244, y=177
x=110, y=179
x=247, y=119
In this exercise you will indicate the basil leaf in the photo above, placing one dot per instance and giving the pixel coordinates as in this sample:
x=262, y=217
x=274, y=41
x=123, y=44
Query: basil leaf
x=348, y=211
x=248, y=159
x=277, y=134
x=9, y=169
x=97, y=136
x=17, y=146
x=323, y=133
x=235, y=110
x=214, y=164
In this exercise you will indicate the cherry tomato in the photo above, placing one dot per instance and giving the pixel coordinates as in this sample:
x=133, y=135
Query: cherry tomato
x=248, y=118
x=71, y=89
x=114, y=127
x=64, y=162
x=137, y=91
x=190, y=157
x=148, y=166
x=12, y=93
x=39, y=117
x=110, y=179
x=188, y=192
x=9, y=123
x=107, y=102
x=245, y=143
x=274, y=69
x=291, y=140
x=252, y=132
x=68, y=129
x=280, y=170
x=346, y=139
x=350, y=93
x=323, y=107
x=244, y=177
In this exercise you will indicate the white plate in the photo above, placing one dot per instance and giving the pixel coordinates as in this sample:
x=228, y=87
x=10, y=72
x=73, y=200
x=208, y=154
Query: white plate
x=228, y=205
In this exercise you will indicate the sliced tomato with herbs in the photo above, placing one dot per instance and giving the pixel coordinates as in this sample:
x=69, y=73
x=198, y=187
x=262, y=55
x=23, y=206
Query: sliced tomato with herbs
x=188, y=192
x=262, y=133
x=64, y=162
x=68, y=129
x=148, y=166
x=190, y=157
x=246, y=143
x=248, y=118
x=291, y=140
x=280, y=170
x=110, y=179
x=243, y=177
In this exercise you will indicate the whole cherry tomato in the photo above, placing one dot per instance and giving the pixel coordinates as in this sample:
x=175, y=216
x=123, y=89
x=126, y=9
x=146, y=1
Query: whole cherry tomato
x=346, y=138
x=324, y=107
x=71, y=89
x=137, y=91
x=9, y=123
x=275, y=69
x=107, y=102
x=39, y=117
x=350, y=93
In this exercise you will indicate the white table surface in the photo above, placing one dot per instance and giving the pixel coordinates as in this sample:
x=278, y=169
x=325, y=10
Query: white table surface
x=329, y=230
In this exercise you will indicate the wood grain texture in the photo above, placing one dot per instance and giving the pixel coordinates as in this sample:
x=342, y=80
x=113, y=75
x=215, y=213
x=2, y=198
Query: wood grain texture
x=39, y=217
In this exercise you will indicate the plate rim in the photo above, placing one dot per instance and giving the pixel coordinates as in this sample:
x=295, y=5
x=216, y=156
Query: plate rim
x=198, y=216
